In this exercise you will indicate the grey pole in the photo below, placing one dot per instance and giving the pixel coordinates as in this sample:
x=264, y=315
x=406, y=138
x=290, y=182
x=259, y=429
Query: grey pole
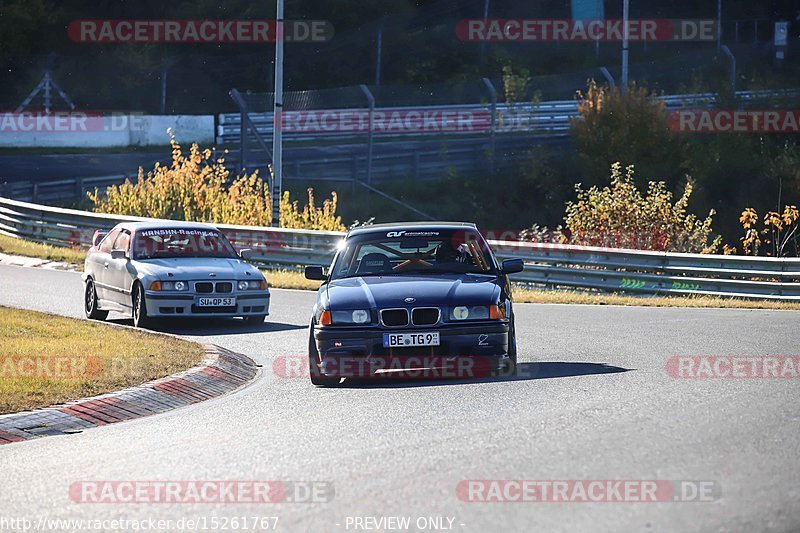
x=163, y=88
x=483, y=43
x=597, y=41
x=371, y=103
x=727, y=52
x=492, y=144
x=277, y=126
x=624, y=45
x=607, y=75
x=378, y=54
x=168, y=61
x=242, y=129
x=48, y=103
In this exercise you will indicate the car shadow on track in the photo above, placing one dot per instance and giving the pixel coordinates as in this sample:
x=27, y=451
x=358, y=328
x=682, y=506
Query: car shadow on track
x=212, y=326
x=525, y=372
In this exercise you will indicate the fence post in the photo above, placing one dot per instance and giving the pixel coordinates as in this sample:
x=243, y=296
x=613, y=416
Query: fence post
x=371, y=104
x=355, y=167
x=609, y=78
x=493, y=95
x=727, y=52
x=237, y=97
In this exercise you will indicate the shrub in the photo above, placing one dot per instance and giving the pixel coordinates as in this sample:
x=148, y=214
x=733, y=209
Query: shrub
x=310, y=216
x=779, y=232
x=515, y=85
x=620, y=216
x=197, y=188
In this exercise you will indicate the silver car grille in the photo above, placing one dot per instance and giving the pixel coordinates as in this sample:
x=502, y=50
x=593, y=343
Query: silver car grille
x=209, y=287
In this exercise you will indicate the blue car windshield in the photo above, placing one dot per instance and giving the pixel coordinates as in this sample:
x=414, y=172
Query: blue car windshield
x=413, y=252
x=178, y=242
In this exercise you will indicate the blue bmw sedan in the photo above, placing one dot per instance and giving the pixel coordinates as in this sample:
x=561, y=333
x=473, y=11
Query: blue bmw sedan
x=413, y=300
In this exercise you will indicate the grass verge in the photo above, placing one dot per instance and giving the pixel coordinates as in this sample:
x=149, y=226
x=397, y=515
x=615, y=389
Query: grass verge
x=47, y=359
x=294, y=279
x=14, y=246
x=537, y=296
x=289, y=279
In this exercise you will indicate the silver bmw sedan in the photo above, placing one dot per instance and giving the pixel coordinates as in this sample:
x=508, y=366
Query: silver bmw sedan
x=156, y=269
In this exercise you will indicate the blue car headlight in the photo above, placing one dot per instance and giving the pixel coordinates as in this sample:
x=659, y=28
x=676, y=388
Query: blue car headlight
x=477, y=312
x=352, y=316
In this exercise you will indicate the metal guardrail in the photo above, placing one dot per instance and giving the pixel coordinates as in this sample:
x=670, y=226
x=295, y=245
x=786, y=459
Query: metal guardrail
x=70, y=227
x=550, y=118
x=552, y=265
x=54, y=191
x=462, y=156
x=658, y=273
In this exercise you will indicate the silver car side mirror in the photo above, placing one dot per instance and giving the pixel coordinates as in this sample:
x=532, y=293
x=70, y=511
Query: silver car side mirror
x=98, y=236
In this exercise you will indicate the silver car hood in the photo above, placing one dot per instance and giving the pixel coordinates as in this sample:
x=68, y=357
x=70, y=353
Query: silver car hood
x=188, y=268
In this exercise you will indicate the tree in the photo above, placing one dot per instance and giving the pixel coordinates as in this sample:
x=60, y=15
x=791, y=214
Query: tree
x=630, y=127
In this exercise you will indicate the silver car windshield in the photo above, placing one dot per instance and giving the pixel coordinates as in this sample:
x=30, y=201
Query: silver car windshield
x=176, y=243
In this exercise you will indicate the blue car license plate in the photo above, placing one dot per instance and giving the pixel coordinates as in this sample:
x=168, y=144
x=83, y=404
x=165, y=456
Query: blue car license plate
x=403, y=340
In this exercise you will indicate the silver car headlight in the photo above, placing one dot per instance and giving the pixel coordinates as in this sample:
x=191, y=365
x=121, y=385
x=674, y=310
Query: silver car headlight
x=252, y=284
x=174, y=286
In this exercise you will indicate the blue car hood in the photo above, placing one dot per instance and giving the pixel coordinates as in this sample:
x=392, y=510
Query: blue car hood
x=371, y=292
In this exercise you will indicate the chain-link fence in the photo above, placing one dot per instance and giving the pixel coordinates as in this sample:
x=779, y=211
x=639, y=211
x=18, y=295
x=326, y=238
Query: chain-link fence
x=406, y=57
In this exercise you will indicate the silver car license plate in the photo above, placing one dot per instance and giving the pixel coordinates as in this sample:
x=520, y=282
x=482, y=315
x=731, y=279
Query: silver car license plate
x=401, y=340
x=216, y=302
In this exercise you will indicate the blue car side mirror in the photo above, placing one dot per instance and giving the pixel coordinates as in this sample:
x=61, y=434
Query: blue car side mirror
x=512, y=266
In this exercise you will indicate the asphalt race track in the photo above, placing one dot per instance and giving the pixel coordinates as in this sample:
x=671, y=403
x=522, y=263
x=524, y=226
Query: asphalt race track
x=593, y=401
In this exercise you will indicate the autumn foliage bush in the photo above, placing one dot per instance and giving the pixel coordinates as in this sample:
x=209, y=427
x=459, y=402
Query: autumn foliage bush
x=196, y=187
x=620, y=216
x=776, y=236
